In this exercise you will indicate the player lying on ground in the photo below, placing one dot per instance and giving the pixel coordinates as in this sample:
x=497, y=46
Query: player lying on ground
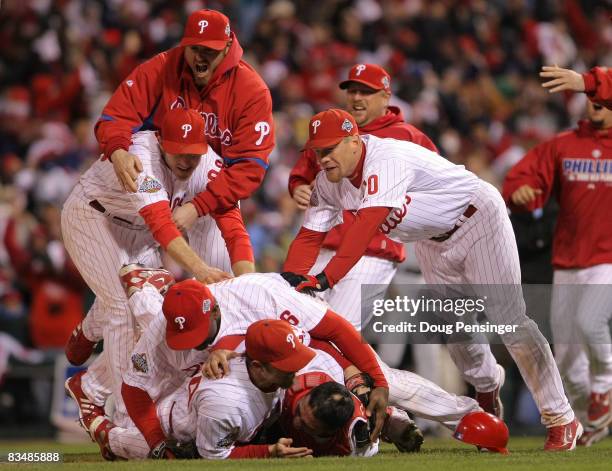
x=231, y=308
x=104, y=228
x=463, y=236
x=221, y=416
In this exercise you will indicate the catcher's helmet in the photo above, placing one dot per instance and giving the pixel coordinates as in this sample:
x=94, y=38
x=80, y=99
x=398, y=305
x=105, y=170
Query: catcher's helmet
x=483, y=430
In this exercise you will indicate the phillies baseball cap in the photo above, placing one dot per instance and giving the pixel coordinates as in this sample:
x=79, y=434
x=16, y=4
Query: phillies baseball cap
x=277, y=343
x=182, y=132
x=187, y=307
x=328, y=128
x=208, y=28
x=371, y=75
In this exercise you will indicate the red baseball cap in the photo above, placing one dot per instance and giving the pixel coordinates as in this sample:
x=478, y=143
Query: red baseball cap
x=371, y=75
x=277, y=343
x=328, y=128
x=182, y=132
x=208, y=28
x=187, y=307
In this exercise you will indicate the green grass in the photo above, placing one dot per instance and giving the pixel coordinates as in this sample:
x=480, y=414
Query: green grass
x=437, y=454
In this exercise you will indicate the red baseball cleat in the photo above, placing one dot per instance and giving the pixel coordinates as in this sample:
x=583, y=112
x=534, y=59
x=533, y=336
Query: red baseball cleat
x=592, y=436
x=401, y=430
x=134, y=277
x=88, y=411
x=600, y=412
x=563, y=437
x=490, y=401
x=99, y=431
x=78, y=348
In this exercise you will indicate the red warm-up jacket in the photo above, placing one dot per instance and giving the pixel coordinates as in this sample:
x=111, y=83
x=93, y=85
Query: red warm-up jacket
x=576, y=168
x=391, y=125
x=598, y=85
x=236, y=106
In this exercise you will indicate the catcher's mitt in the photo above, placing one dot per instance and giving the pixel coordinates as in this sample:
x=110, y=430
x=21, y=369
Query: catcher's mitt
x=171, y=449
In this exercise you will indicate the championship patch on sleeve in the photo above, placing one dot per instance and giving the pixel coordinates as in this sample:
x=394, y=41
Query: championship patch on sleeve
x=139, y=361
x=229, y=440
x=149, y=185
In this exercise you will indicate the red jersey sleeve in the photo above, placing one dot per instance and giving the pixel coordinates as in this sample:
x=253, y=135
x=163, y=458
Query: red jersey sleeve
x=132, y=103
x=158, y=218
x=304, y=251
x=355, y=242
x=142, y=411
x=304, y=171
x=536, y=169
x=236, y=237
x=246, y=159
x=598, y=85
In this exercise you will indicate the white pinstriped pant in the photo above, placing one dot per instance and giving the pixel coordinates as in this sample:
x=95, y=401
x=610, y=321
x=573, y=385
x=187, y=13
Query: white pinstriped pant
x=345, y=296
x=483, y=252
x=99, y=248
x=581, y=310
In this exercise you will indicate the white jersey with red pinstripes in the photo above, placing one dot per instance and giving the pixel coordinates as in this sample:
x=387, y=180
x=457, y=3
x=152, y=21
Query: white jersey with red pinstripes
x=219, y=413
x=428, y=193
x=157, y=369
x=155, y=183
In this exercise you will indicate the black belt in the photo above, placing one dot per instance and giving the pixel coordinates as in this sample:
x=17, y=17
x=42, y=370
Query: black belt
x=468, y=213
x=95, y=204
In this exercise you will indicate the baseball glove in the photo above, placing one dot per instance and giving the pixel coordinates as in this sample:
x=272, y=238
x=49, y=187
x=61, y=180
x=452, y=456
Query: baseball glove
x=171, y=449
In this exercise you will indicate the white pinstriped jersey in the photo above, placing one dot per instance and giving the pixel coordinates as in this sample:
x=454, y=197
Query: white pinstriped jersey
x=428, y=193
x=255, y=296
x=155, y=183
x=158, y=369
x=218, y=413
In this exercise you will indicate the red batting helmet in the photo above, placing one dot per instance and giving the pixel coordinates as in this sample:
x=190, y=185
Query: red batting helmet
x=484, y=430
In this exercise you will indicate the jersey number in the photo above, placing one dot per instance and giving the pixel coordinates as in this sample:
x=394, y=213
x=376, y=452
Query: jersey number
x=214, y=173
x=372, y=184
x=288, y=317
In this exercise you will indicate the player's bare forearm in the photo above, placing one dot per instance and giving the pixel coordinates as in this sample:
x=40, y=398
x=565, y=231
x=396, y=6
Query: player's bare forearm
x=243, y=266
x=184, y=255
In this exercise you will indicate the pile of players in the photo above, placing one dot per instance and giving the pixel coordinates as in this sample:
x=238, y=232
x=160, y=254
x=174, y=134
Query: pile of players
x=237, y=364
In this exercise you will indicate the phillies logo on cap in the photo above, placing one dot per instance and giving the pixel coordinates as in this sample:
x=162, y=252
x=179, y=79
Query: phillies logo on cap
x=180, y=321
x=315, y=124
x=347, y=125
x=186, y=128
x=203, y=24
x=291, y=340
x=360, y=68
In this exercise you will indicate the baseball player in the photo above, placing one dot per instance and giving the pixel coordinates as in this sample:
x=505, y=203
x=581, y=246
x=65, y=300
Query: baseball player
x=575, y=168
x=368, y=90
x=463, y=233
x=229, y=309
x=105, y=228
x=596, y=83
x=205, y=73
x=220, y=414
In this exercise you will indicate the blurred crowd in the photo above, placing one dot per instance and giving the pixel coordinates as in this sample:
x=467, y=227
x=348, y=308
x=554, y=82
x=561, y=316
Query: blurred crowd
x=463, y=71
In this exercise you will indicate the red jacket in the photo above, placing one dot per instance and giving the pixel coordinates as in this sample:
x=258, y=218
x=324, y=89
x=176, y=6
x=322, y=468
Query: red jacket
x=598, y=85
x=391, y=125
x=236, y=105
x=576, y=167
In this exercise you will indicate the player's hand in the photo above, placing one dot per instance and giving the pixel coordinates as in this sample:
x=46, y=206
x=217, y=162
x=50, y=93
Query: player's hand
x=209, y=275
x=561, y=79
x=377, y=407
x=283, y=449
x=127, y=167
x=216, y=365
x=184, y=216
x=301, y=195
x=313, y=284
x=525, y=195
x=293, y=279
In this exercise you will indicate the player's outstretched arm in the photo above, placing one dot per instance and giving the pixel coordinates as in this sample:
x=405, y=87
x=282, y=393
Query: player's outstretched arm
x=237, y=240
x=559, y=79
